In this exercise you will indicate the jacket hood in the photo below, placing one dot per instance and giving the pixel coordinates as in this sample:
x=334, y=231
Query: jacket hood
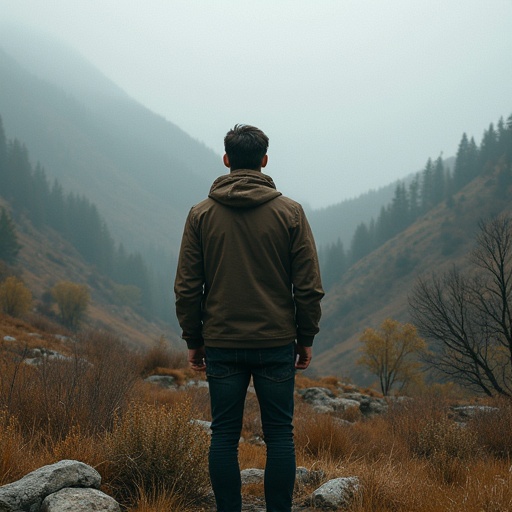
x=243, y=189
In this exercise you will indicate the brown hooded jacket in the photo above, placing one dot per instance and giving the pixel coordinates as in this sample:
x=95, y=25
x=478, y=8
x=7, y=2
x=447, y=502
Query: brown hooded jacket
x=248, y=272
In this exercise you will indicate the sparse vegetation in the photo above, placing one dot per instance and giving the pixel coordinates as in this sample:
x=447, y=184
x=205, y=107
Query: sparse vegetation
x=95, y=407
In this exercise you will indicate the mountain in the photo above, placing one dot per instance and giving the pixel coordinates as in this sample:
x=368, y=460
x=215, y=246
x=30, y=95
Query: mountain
x=141, y=170
x=340, y=220
x=378, y=285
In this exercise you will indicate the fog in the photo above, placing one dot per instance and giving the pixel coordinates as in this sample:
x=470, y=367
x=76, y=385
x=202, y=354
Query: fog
x=353, y=94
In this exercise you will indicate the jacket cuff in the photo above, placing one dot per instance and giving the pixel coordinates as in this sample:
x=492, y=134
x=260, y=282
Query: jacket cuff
x=305, y=341
x=197, y=343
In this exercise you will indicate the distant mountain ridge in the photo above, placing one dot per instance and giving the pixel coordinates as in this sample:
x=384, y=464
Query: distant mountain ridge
x=142, y=171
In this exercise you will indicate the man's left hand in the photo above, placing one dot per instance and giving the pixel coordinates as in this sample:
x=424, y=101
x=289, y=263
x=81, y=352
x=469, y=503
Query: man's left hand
x=196, y=359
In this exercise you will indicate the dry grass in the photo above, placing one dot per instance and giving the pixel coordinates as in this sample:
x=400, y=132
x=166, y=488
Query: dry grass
x=161, y=357
x=154, y=447
x=95, y=407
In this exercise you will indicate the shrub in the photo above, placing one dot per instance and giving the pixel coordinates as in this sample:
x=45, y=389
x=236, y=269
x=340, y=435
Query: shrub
x=87, y=388
x=161, y=355
x=153, y=448
x=322, y=436
x=72, y=300
x=11, y=442
x=15, y=297
x=492, y=428
x=447, y=446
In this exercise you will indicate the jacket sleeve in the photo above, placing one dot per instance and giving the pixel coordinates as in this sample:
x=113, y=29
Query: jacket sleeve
x=189, y=285
x=306, y=282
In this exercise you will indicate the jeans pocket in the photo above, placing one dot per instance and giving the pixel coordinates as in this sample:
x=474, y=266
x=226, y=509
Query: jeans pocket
x=278, y=363
x=221, y=362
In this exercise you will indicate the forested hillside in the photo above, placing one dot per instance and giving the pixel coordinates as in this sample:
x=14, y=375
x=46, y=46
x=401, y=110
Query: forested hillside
x=428, y=226
x=32, y=201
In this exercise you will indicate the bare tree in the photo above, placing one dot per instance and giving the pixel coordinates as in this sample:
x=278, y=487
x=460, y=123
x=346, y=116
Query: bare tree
x=467, y=318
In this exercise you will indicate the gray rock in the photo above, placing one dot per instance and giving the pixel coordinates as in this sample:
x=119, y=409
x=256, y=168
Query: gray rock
x=336, y=493
x=28, y=493
x=304, y=476
x=9, y=338
x=371, y=406
x=165, y=381
x=346, y=403
x=207, y=425
x=322, y=400
x=316, y=394
x=468, y=411
x=79, y=500
x=252, y=476
x=196, y=384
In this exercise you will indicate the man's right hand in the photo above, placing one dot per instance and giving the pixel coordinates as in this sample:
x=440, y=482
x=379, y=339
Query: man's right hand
x=303, y=356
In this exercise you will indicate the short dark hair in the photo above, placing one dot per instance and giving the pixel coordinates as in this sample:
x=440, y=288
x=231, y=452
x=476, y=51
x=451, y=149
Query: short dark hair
x=245, y=146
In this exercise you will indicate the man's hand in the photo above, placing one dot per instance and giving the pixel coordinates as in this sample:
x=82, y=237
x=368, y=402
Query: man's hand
x=303, y=356
x=196, y=359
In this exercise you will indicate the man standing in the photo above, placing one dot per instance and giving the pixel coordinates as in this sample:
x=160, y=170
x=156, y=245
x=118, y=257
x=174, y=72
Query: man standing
x=248, y=295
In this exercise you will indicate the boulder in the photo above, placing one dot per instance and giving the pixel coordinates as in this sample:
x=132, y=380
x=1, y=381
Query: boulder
x=305, y=477
x=252, y=476
x=164, y=381
x=79, y=500
x=336, y=493
x=28, y=493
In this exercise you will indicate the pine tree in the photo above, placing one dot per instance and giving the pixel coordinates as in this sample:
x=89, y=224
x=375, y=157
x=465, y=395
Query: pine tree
x=400, y=209
x=438, y=182
x=40, y=198
x=466, y=163
x=334, y=263
x=9, y=246
x=19, y=174
x=362, y=243
x=488, y=154
x=414, y=197
x=427, y=186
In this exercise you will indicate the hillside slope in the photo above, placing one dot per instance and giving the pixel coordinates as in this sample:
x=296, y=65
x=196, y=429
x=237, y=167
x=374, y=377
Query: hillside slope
x=378, y=286
x=142, y=171
x=46, y=259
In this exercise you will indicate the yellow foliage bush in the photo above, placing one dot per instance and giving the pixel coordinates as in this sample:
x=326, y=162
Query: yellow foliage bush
x=15, y=297
x=72, y=300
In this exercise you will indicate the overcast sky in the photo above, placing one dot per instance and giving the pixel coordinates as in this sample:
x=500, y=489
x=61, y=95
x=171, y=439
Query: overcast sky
x=353, y=94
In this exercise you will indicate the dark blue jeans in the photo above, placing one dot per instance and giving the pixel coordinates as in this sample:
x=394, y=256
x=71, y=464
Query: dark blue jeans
x=229, y=372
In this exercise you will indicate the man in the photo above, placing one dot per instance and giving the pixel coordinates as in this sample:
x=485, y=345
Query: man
x=248, y=294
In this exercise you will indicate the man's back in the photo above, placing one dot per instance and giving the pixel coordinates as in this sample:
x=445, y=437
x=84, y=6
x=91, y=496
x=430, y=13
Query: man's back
x=257, y=253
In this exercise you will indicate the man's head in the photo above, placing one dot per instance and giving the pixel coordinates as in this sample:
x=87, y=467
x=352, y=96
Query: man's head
x=246, y=148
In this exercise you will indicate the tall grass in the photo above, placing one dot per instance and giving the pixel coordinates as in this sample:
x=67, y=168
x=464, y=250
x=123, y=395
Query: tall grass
x=85, y=388
x=95, y=407
x=158, y=447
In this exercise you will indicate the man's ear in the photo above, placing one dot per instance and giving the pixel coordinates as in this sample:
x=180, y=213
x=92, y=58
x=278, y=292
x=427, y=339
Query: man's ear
x=225, y=159
x=264, y=161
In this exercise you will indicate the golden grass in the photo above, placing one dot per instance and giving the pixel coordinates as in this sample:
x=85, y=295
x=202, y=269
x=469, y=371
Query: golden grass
x=153, y=458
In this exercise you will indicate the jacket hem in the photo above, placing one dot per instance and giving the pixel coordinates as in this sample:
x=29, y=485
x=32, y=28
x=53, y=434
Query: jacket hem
x=262, y=343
